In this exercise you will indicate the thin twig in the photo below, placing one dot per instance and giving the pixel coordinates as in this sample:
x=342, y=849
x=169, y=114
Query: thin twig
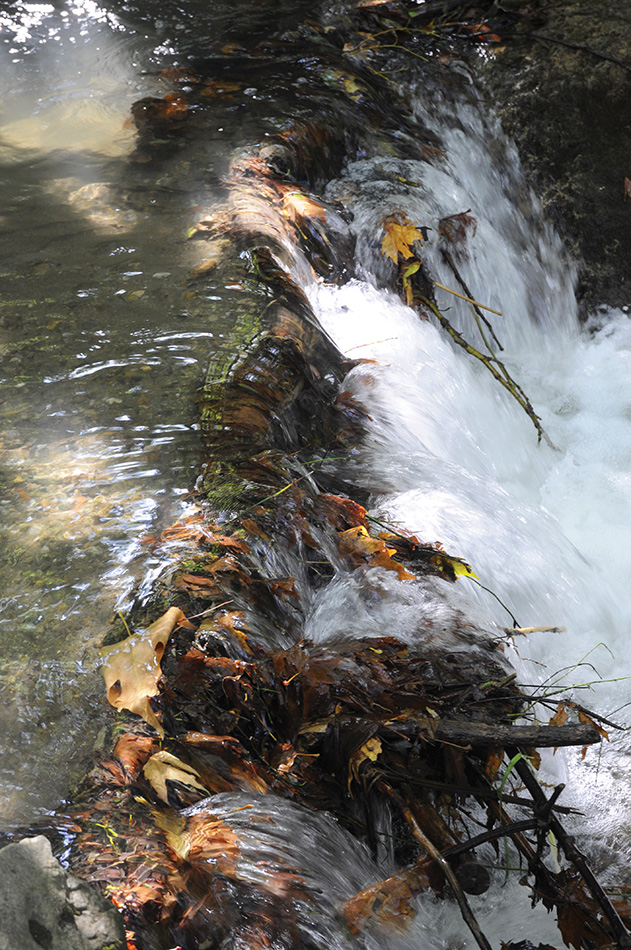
x=527, y=34
x=435, y=854
x=452, y=264
x=505, y=380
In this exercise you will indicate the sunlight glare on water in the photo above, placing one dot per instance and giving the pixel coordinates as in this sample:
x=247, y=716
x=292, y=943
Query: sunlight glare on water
x=68, y=79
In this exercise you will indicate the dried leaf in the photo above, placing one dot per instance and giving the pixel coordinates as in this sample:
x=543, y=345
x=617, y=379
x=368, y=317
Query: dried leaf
x=164, y=767
x=132, y=667
x=399, y=237
x=627, y=188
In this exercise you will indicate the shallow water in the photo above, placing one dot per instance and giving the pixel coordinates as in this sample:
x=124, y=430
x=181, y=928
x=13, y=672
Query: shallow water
x=104, y=341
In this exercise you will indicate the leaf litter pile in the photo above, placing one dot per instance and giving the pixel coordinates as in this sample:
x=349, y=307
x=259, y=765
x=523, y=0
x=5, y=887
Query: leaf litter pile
x=242, y=744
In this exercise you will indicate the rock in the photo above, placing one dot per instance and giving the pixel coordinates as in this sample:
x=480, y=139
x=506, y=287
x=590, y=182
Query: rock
x=43, y=906
x=566, y=104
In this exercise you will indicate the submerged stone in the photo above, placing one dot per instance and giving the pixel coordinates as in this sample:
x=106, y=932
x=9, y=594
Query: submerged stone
x=45, y=907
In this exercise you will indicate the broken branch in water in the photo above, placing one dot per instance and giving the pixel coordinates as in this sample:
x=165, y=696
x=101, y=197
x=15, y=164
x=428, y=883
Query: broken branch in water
x=504, y=378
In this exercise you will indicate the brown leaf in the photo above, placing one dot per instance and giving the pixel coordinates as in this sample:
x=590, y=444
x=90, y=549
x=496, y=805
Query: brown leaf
x=627, y=188
x=164, y=767
x=132, y=751
x=583, y=717
x=560, y=715
x=399, y=237
x=493, y=763
x=388, y=901
x=212, y=842
x=132, y=667
x=357, y=544
x=456, y=227
x=297, y=205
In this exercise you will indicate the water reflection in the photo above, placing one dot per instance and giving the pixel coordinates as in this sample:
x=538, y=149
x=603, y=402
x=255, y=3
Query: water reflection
x=103, y=343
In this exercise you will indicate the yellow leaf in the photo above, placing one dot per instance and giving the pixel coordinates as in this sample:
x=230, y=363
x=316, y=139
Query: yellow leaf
x=132, y=667
x=357, y=544
x=164, y=767
x=399, y=237
x=369, y=752
x=457, y=566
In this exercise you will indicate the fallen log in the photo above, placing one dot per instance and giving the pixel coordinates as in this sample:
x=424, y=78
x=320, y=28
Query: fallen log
x=522, y=736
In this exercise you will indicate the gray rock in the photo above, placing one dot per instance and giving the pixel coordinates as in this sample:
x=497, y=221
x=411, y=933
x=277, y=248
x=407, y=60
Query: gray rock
x=46, y=908
x=566, y=103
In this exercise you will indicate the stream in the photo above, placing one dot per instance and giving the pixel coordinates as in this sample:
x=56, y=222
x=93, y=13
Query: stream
x=104, y=342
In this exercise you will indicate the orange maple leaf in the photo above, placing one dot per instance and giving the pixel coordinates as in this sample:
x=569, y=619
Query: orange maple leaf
x=399, y=237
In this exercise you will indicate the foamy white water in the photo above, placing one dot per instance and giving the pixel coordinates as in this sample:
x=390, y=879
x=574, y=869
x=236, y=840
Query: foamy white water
x=453, y=458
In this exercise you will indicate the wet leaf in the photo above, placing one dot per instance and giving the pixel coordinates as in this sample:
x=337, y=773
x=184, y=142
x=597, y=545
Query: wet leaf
x=627, y=188
x=560, y=715
x=208, y=840
x=399, y=237
x=583, y=717
x=456, y=227
x=164, y=767
x=218, y=87
x=368, y=752
x=446, y=562
x=389, y=901
x=132, y=667
x=358, y=544
x=132, y=751
x=297, y=205
x=480, y=31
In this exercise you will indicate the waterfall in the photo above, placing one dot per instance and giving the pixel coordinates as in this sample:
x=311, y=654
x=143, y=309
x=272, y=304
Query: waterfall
x=450, y=456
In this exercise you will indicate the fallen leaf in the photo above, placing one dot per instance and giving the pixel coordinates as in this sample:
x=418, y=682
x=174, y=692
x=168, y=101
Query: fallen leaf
x=298, y=205
x=399, y=237
x=368, y=752
x=164, y=767
x=493, y=763
x=388, y=901
x=357, y=543
x=560, y=715
x=456, y=227
x=132, y=667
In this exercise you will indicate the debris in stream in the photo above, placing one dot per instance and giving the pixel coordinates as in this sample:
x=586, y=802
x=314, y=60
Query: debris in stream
x=252, y=738
x=248, y=708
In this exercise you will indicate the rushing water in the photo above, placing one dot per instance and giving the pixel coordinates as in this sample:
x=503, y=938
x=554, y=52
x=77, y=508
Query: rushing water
x=103, y=343
x=452, y=457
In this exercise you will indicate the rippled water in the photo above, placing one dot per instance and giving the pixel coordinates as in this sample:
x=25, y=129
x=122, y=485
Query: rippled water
x=104, y=339
x=103, y=344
